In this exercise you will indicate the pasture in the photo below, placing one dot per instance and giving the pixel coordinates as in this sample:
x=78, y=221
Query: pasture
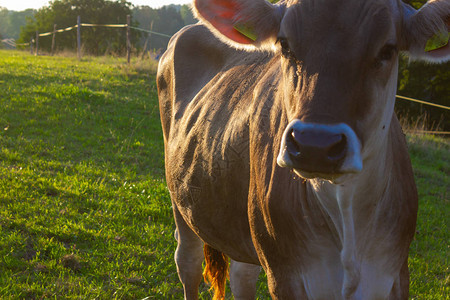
x=84, y=210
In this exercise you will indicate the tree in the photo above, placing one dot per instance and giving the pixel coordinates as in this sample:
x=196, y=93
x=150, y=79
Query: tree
x=146, y=17
x=95, y=40
x=167, y=20
x=12, y=21
x=186, y=15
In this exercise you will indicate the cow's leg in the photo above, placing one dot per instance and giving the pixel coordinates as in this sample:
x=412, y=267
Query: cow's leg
x=400, y=290
x=243, y=278
x=283, y=284
x=188, y=257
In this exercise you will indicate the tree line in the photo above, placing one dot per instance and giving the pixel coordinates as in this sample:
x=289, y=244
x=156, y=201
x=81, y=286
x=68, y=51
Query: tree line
x=12, y=21
x=167, y=20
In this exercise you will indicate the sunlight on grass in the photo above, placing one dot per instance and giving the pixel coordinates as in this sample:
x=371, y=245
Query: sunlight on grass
x=84, y=204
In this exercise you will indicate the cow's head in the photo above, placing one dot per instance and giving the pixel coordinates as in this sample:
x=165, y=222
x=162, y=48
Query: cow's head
x=339, y=63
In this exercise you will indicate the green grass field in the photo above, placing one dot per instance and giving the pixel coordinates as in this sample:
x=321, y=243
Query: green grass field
x=84, y=210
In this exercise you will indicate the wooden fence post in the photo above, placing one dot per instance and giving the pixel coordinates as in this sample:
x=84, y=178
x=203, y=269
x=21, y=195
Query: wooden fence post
x=31, y=45
x=128, y=38
x=37, y=44
x=53, y=39
x=79, y=37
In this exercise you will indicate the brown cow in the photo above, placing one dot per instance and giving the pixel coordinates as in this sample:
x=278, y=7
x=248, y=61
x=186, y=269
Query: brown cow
x=282, y=148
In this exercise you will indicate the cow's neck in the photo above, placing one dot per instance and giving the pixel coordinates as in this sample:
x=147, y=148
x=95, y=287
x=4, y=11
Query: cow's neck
x=356, y=193
x=355, y=202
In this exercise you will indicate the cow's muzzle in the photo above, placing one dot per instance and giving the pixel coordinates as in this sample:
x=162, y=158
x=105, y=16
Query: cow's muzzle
x=320, y=150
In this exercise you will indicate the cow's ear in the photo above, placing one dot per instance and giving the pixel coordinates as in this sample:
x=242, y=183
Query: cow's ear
x=425, y=31
x=241, y=23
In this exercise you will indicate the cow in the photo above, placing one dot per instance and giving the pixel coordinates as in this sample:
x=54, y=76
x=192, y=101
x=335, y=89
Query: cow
x=282, y=148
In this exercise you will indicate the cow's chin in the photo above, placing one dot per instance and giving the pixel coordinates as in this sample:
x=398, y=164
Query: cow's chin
x=351, y=166
x=334, y=178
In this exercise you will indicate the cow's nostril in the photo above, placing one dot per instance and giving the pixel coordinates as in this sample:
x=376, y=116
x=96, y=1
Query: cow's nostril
x=337, y=150
x=292, y=144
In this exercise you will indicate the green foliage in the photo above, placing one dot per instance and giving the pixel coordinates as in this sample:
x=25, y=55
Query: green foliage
x=186, y=15
x=167, y=20
x=95, y=40
x=12, y=21
x=426, y=82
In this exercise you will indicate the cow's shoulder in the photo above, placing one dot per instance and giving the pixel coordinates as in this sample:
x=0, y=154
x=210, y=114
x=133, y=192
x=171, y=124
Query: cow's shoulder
x=195, y=56
x=198, y=67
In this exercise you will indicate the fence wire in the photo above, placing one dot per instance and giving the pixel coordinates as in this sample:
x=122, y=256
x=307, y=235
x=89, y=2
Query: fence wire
x=11, y=42
x=105, y=25
x=422, y=102
x=150, y=31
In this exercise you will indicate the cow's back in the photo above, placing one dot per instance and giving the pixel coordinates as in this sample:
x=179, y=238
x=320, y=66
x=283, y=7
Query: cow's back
x=205, y=90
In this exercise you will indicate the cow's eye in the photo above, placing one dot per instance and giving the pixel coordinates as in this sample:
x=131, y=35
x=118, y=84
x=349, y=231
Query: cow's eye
x=387, y=52
x=285, y=50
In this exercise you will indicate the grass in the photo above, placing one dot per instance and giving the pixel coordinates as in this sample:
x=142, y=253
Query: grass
x=429, y=255
x=84, y=210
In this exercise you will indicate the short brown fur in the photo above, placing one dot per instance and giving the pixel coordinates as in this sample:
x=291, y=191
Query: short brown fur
x=224, y=112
